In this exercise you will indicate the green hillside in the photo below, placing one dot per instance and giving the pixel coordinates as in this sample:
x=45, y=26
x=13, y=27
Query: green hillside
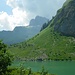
x=45, y=45
x=49, y=44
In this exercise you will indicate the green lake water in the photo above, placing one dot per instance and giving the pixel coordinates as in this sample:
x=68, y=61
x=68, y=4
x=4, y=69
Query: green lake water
x=53, y=67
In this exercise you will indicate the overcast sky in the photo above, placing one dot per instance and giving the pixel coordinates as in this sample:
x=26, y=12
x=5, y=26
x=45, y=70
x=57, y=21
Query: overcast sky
x=20, y=12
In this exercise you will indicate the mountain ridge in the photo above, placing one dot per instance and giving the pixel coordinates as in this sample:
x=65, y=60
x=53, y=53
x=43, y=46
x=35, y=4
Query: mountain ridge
x=64, y=20
x=21, y=33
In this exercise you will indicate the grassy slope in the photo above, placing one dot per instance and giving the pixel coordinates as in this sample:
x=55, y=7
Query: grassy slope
x=46, y=44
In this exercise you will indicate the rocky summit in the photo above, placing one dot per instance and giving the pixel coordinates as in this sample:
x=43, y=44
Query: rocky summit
x=64, y=21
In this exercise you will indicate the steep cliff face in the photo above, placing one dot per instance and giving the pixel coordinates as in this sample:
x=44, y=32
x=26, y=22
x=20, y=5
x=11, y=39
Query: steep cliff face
x=64, y=21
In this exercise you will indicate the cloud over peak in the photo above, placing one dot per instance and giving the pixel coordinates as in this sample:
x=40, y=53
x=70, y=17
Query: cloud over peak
x=24, y=10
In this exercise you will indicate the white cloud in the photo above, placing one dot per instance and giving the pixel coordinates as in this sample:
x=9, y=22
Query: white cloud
x=46, y=8
x=12, y=3
x=4, y=21
x=24, y=10
x=18, y=18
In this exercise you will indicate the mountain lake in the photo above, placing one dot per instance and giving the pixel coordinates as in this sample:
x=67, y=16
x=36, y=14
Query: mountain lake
x=53, y=67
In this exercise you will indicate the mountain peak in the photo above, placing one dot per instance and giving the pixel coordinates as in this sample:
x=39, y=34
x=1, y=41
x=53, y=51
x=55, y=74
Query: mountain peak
x=64, y=21
x=38, y=20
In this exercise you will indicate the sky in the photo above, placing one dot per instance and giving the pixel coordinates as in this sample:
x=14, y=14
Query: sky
x=19, y=12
